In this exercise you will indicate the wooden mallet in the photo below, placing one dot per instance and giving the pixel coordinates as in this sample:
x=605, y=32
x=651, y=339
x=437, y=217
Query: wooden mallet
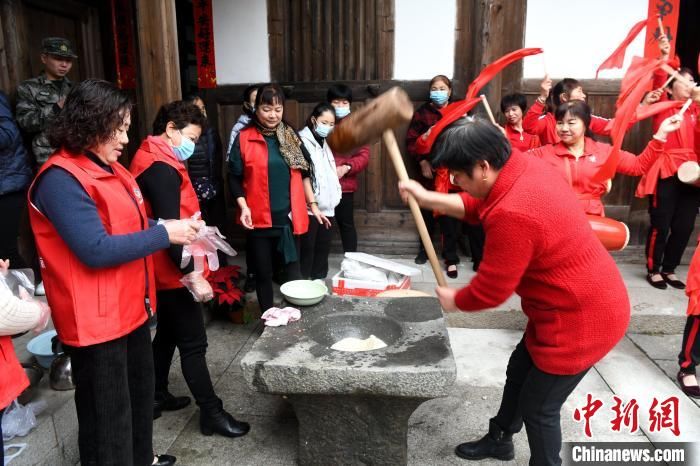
x=378, y=119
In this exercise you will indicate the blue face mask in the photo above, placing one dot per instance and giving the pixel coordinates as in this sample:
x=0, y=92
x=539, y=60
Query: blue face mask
x=186, y=148
x=439, y=97
x=323, y=130
x=342, y=112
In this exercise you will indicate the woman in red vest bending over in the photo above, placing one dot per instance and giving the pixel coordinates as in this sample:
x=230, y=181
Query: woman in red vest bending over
x=570, y=288
x=95, y=243
x=160, y=171
x=578, y=158
x=269, y=176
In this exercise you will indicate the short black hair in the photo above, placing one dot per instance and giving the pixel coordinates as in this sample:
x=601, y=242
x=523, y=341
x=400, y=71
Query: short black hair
x=94, y=110
x=575, y=108
x=468, y=140
x=339, y=91
x=248, y=91
x=683, y=70
x=181, y=113
x=443, y=78
x=270, y=94
x=514, y=99
x=565, y=86
x=318, y=110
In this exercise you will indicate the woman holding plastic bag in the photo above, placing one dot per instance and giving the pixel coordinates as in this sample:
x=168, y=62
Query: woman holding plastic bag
x=95, y=243
x=160, y=171
x=17, y=314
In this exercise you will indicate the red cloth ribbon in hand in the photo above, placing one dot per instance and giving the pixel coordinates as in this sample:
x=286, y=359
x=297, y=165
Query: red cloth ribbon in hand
x=648, y=111
x=634, y=85
x=456, y=110
x=492, y=69
x=617, y=58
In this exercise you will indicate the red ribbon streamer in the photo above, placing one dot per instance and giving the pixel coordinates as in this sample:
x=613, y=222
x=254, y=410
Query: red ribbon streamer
x=456, y=110
x=648, y=111
x=617, y=58
x=494, y=68
x=636, y=82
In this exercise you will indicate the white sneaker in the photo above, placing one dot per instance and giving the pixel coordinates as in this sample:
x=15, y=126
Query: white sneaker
x=39, y=291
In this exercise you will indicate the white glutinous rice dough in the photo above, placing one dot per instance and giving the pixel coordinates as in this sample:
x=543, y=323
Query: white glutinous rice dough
x=355, y=344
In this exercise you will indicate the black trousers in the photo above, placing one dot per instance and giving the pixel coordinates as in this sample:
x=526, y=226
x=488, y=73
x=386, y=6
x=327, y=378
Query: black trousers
x=264, y=251
x=12, y=207
x=345, y=219
x=477, y=237
x=314, y=248
x=535, y=398
x=672, y=214
x=114, y=400
x=449, y=232
x=689, y=355
x=181, y=325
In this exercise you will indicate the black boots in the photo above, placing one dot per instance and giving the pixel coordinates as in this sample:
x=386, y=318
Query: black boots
x=220, y=422
x=165, y=401
x=496, y=444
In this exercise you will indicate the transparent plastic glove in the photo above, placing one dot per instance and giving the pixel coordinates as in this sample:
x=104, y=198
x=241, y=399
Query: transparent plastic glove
x=44, y=310
x=208, y=241
x=198, y=286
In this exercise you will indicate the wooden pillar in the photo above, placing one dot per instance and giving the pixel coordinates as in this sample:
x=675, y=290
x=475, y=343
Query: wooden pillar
x=490, y=42
x=159, y=65
x=14, y=60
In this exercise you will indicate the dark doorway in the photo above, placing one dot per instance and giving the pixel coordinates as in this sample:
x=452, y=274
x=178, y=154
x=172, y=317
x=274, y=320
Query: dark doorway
x=688, y=43
x=186, y=46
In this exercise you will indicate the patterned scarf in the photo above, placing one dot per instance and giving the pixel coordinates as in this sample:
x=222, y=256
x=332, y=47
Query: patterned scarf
x=289, y=144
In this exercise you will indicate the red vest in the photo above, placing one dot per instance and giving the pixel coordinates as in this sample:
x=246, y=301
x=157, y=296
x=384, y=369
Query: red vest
x=255, y=184
x=152, y=150
x=13, y=380
x=90, y=306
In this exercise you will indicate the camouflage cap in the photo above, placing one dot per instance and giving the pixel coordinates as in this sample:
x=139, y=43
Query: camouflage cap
x=57, y=46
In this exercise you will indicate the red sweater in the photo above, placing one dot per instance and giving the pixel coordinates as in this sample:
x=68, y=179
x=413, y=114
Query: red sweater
x=579, y=173
x=540, y=246
x=544, y=125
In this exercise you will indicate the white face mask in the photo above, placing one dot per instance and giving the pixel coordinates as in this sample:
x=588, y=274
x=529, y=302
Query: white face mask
x=323, y=130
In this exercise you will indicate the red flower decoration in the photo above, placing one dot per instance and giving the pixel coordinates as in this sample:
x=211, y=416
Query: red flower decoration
x=223, y=283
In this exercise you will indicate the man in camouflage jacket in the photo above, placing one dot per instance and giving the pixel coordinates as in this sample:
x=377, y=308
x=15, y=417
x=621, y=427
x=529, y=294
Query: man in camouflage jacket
x=40, y=99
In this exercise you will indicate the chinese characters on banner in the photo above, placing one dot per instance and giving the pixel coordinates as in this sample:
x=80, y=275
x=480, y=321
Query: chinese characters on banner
x=204, y=44
x=668, y=11
x=122, y=30
x=661, y=415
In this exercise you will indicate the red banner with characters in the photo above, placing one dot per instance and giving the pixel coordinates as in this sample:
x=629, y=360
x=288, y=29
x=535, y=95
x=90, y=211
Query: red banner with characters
x=667, y=10
x=204, y=44
x=123, y=33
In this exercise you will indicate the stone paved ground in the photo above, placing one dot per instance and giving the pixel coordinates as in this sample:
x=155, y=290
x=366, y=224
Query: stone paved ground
x=642, y=366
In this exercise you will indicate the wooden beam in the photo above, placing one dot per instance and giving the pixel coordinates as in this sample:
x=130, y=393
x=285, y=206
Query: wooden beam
x=159, y=64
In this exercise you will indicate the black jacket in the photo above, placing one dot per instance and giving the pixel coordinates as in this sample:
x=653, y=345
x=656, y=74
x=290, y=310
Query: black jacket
x=15, y=170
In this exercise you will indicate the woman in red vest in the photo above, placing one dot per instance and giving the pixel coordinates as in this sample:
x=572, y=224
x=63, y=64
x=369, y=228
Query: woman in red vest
x=570, y=288
x=269, y=176
x=16, y=316
x=159, y=168
x=95, y=243
x=578, y=158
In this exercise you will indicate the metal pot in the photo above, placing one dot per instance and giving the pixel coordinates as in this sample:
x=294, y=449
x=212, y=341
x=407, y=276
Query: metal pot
x=34, y=374
x=61, y=373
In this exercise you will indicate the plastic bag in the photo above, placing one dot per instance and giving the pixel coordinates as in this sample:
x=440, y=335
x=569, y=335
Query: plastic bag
x=18, y=420
x=209, y=240
x=198, y=286
x=18, y=278
x=10, y=456
x=359, y=271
